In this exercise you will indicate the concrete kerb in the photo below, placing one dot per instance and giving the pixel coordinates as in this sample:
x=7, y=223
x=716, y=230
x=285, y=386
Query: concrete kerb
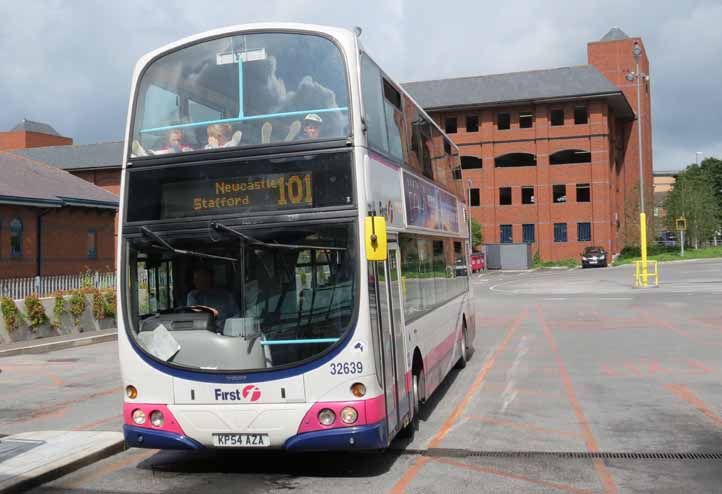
x=57, y=343
x=60, y=453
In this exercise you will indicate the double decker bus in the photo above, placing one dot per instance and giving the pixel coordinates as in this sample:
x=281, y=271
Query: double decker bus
x=292, y=252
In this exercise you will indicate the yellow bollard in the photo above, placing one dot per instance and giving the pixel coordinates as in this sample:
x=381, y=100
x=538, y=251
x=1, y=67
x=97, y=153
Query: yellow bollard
x=643, y=246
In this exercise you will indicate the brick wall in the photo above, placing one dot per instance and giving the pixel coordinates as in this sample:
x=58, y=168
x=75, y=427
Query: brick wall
x=542, y=140
x=65, y=240
x=615, y=60
x=22, y=139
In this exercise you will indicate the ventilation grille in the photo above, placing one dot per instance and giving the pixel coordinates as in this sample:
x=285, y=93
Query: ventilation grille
x=582, y=455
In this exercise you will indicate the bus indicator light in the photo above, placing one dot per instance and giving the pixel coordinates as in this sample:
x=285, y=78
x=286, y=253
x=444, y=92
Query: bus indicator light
x=131, y=392
x=358, y=390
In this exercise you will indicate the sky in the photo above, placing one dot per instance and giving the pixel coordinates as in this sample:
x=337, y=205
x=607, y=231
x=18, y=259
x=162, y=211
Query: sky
x=69, y=63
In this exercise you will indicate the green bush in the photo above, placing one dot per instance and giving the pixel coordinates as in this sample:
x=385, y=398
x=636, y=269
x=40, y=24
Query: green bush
x=110, y=302
x=98, y=306
x=11, y=314
x=58, y=311
x=77, y=305
x=36, y=311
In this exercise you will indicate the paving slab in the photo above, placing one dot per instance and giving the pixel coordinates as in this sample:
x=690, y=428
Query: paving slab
x=54, y=343
x=32, y=458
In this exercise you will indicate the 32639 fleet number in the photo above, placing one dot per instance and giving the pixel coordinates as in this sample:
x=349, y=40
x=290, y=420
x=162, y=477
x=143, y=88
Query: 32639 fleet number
x=342, y=368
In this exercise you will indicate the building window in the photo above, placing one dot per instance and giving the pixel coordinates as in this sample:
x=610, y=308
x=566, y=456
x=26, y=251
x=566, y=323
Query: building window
x=527, y=194
x=560, y=232
x=557, y=117
x=475, y=199
x=570, y=156
x=16, y=237
x=505, y=234
x=581, y=115
x=504, y=196
x=470, y=162
x=584, y=232
x=526, y=120
x=472, y=123
x=584, y=193
x=456, y=172
x=515, y=159
x=447, y=147
x=559, y=193
x=92, y=244
x=450, y=125
x=528, y=234
x=503, y=121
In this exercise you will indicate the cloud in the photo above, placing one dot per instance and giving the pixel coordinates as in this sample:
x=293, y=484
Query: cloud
x=70, y=63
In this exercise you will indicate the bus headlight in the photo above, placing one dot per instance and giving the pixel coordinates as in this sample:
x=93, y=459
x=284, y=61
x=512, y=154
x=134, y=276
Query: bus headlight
x=349, y=415
x=358, y=390
x=156, y=418
x=138, y=416
x=131, y=392
x=326, y=416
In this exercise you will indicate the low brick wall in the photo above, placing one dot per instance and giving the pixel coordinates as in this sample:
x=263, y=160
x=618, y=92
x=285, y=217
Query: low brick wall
x=24, y=332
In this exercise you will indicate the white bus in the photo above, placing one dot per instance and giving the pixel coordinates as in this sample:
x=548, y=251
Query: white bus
x=292, y=253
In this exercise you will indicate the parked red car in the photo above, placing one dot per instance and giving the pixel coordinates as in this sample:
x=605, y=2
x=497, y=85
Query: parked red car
x=477, y=262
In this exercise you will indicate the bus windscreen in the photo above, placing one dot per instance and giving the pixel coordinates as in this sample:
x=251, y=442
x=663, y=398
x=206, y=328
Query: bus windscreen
x=250, y=89
x=238, y=300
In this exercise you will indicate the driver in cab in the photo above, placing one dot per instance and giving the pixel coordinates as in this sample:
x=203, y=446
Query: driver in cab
x=206, y=296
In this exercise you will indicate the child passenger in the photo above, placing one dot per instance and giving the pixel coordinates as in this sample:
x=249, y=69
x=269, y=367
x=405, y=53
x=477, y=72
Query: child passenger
x=219, y=136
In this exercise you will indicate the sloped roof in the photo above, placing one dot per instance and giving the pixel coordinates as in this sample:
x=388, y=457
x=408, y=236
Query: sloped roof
x=517, y=87
x=77, y=157
x=614, y=34
x=38, y=127
x=26, y=181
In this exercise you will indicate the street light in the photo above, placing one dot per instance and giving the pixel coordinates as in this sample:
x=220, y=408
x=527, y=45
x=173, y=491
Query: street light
x=468, y=218
x=639, y=76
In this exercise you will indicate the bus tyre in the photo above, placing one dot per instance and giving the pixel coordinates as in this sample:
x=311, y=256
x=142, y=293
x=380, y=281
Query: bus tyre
x=463, y=351
x=409, y=431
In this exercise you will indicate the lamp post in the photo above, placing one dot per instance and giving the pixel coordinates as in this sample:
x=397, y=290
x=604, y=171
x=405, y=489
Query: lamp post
x=468, y=219
x=639, y=76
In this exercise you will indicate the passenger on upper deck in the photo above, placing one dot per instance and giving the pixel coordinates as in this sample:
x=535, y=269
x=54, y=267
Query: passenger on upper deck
x=219, y=136
x=174, y=143
x=311, y=127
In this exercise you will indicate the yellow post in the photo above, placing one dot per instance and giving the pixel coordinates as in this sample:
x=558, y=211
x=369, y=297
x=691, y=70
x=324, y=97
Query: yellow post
x=643, y=245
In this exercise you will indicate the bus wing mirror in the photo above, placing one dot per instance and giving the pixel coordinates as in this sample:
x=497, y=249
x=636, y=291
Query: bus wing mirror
x=375, y=233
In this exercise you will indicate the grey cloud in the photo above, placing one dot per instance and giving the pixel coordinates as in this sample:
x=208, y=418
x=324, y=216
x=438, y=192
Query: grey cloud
x=70, y=63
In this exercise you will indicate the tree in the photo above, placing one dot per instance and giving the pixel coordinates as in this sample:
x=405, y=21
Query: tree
x=697, y=195
x=477, y=237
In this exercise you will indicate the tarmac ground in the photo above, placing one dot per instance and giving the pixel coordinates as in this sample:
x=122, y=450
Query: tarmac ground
x=579, y=383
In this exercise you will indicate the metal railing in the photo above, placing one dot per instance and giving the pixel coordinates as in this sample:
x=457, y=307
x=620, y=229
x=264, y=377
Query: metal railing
x=17, y=288
x=642, y=276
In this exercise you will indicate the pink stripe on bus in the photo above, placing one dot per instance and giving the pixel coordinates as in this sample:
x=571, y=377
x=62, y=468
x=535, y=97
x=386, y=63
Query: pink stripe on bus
x=170, y=424
x=369, y=412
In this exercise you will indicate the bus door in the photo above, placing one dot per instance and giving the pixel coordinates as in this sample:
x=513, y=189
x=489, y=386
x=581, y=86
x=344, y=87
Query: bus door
x=398, y=330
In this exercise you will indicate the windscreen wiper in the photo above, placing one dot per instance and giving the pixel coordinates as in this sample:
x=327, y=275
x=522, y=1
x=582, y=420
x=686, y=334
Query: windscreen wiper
x=150, y=233
x=253, y=241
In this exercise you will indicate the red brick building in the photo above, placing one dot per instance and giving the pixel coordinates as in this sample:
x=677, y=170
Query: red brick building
x=51, y=222
x=552, y=155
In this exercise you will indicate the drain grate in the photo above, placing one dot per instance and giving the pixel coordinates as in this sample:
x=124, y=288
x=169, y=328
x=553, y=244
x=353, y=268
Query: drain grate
x=581, y=455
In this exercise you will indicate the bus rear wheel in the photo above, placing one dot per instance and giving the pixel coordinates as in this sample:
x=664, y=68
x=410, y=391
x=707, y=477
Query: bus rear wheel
x=463, y=351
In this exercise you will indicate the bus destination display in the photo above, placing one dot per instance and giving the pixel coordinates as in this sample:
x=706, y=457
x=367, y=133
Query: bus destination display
x=237, y=194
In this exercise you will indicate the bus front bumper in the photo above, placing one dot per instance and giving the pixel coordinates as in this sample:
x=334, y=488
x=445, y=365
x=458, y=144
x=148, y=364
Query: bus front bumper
x=363, y=437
